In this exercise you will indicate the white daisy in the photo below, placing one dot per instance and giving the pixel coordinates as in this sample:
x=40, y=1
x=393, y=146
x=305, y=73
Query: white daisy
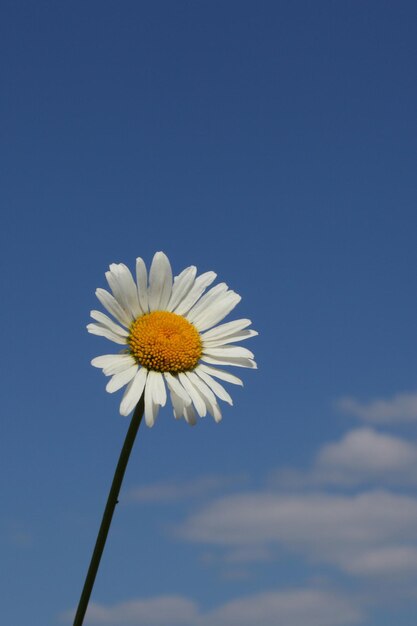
x=173, y=338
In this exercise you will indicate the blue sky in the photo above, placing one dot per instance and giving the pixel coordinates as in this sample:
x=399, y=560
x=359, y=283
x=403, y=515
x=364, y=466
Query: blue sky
x=274, y=143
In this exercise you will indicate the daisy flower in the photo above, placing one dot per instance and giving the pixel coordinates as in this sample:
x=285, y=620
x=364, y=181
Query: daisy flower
x=173, y=339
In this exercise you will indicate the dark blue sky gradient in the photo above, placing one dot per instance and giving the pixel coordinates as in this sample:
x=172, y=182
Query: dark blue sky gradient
x=273, y=142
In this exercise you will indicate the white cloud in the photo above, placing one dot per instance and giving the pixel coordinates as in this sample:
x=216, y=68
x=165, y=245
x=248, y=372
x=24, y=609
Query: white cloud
x=289, y=607
x=172, y=491
x=364, y=454
x=158, y=611
x=321, y=527
x=361, y=456
x=369, y=451
x=247, y=553
x=383, y=561
x=400, y=408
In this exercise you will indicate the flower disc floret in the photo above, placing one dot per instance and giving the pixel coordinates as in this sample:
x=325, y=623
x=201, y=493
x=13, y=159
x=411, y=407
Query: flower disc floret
x=165, y=342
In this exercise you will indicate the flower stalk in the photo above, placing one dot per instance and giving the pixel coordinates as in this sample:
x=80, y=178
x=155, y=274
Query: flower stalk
x=112, y=500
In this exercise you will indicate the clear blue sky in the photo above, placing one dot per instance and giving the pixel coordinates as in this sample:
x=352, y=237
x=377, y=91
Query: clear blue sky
x=275, y=143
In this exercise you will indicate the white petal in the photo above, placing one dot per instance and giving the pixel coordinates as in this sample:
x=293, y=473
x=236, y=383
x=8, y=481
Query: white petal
x=235, y=361
x=133, y=392
x=181, y=409
x=160, y=282
x=194, y=394
x=130, y=290
x=175, y=386
x=216, y=387
x=204, y=390
x=227, y=351
x=217, y=311
x=151, y=412
x=117, y=290
x=160, y=394
x=190, y=415
x=234, y=338
x=211, y=296
x=121, y=366
x=110, y=303
x=182, y=285
x=113, y=363
x=224, y=330
x=151, y=408
x=177, y=404
x=122, y=378
x=216, y=413
x=214, y=371
x=142, y=284
x=105, y=321
x=207, y=395
x=105, y=360
x=200, y=285
x=98, y=329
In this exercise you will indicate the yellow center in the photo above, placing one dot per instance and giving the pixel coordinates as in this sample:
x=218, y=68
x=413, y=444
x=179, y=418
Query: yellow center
x=165, y=342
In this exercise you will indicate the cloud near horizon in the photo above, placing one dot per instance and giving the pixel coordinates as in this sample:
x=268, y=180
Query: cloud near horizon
x=363, y=456
x=341, y=512
x=341, y=530
x=172, y=491
x=288, y=607
x=401, y=407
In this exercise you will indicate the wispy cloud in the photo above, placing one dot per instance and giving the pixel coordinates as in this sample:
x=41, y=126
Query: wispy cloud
x=364, y=454
x=172, y=491
x=361, y=456
x=288, y=607
x=401, y=407
x=157, y=611
x=383, y=561
x=320, y=527
x=344, y=517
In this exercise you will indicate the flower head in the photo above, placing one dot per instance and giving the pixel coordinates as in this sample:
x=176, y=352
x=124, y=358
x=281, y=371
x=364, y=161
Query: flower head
x=173, y=339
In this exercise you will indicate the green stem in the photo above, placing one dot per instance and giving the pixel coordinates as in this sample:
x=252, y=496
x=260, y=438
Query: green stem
x=108, y=512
